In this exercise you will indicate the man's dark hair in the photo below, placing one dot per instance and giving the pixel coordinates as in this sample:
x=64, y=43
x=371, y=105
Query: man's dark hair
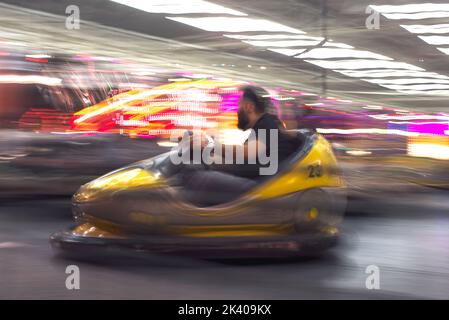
x=259, y=96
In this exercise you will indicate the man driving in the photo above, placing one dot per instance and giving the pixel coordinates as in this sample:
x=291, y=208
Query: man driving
x=268, y=145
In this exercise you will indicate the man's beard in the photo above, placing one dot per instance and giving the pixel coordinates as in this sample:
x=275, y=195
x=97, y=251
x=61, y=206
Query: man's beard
x=243, y=120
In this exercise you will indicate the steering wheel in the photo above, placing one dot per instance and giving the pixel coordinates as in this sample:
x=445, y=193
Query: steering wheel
x=205, y=153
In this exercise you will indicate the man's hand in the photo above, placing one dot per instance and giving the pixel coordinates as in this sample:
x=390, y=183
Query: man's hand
x=199, y=139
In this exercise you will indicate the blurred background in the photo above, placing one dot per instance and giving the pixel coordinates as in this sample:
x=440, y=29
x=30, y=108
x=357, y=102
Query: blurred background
x=81, y=98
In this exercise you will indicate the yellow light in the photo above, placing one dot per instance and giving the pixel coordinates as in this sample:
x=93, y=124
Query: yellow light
x=429, y=150
x=312, y=214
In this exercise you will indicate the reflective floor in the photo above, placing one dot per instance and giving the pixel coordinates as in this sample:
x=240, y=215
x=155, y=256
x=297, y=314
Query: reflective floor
x=412, y=254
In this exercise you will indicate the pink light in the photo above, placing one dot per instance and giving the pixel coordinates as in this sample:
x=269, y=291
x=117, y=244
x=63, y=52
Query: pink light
x=429, y=128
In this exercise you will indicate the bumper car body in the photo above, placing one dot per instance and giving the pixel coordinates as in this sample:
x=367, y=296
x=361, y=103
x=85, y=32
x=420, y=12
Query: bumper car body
x=141, y=207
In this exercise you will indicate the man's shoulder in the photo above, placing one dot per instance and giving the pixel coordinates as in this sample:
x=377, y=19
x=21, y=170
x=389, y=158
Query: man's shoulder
x=267, y=121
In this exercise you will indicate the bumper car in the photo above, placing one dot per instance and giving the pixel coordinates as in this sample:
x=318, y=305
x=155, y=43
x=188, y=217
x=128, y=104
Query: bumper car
x=142, y=207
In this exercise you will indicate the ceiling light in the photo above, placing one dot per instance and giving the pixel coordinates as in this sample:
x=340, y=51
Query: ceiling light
x=337, y=45
x=363, y=64
x=234, y=24
x=271, y=37
x=327, y=53
x=282, y=44
x=417, y=16
x=417, y=87
x=385, y=73
x=444, y=50
x=428, y=92
x=406, y=81
x=435, y=40
x=179, y=7
x=287, y=52
x=412, y=8
x=436, y=28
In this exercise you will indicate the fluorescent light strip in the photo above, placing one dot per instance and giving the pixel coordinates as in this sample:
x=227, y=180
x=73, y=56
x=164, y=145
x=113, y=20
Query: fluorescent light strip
x=326, y=53
x=407, y=81
x=444, y=50
x=418, y=28
x=337, y=45
x=234, y=24
x=363, y=64
x=411, y=8
x=392, y=73
x=286, y=36
x=416, y=87
x=282, y=44
x=272, y=37
x=435, y=40
x=429, y=92
x=179, y=7
x=287, y=52
x=417, y=16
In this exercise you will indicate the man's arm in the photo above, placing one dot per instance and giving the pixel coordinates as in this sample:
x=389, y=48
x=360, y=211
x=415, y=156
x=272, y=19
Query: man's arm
x=251, y=149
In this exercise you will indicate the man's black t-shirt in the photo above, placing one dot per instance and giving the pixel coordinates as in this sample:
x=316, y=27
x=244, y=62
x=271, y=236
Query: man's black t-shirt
x=286, y=146
x=286, y=143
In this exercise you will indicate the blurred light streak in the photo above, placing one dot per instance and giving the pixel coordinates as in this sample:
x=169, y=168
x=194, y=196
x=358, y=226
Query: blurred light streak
x=417, y=16
x=167, y=108
x=358, y=152
x=392, y=73
x=429, y=128
x=179, y=7
x=27, y=79
x=167, y=144
x=416, y=87
x=282, y=44
x=367, y=131
x=272, y=37
x=234, y=24
x=436, y=28
x=444, y=50
x=435, y=147
x=38, y=56
x=407, y=81
x=408, y=117
x=363, y=64
x=435, y=40
x=329, y=53
x=411, y=8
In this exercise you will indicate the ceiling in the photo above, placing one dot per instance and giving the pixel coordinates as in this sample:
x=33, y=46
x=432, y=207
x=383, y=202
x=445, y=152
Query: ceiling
x=402, y=69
